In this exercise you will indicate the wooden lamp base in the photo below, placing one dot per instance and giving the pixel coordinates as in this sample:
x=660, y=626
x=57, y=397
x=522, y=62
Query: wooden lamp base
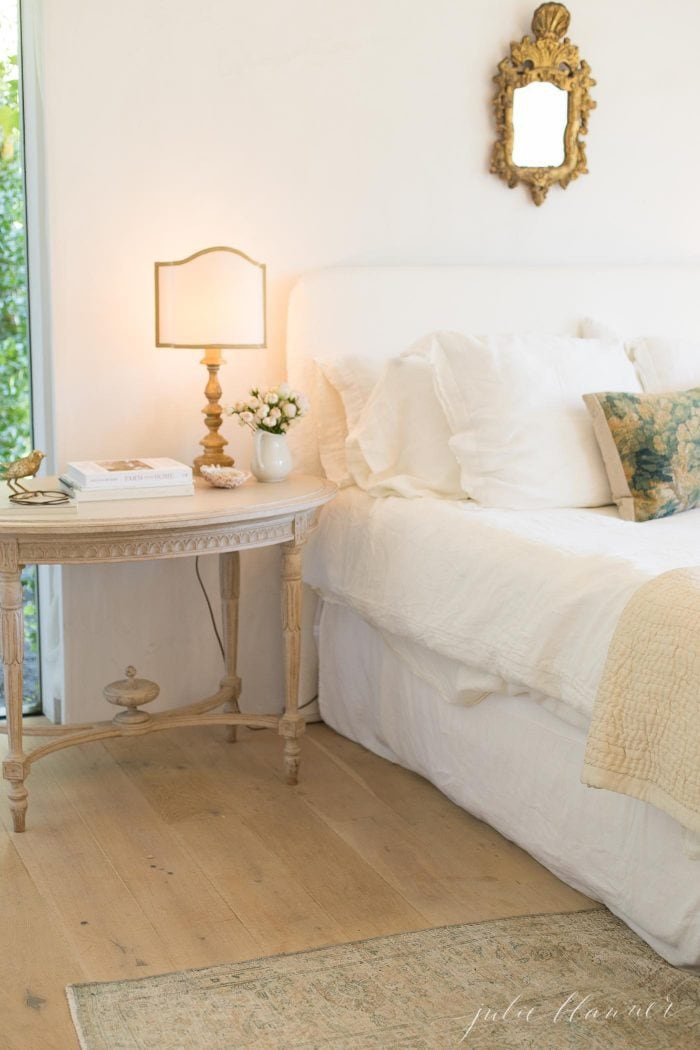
x=212, y=443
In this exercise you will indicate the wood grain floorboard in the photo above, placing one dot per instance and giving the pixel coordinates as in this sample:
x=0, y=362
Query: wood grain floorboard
x=338, y=879
x=180, y=850
x=37, y=962
x=149, y=859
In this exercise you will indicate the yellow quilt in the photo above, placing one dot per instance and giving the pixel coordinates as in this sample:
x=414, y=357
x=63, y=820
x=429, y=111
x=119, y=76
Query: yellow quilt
x=644, y=738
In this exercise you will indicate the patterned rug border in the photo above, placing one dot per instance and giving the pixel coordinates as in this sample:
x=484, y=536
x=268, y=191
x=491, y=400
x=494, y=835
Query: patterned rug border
x=73, y=1008
x=366, y=994
x=345, y=944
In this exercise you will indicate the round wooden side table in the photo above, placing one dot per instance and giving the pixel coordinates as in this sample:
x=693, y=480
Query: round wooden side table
x=222, y=521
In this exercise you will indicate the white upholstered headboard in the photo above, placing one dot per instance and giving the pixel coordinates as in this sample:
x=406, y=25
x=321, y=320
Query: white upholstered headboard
x=379, y=311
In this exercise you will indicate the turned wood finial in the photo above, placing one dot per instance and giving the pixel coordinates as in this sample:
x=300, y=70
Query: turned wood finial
x=129, y=693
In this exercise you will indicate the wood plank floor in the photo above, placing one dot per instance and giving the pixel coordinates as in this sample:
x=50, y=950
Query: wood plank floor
x=179, y=850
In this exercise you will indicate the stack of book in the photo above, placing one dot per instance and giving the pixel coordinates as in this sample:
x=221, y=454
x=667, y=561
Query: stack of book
x=90, y=480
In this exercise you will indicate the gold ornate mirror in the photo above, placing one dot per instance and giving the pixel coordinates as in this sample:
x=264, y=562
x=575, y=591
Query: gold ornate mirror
x=542, y=107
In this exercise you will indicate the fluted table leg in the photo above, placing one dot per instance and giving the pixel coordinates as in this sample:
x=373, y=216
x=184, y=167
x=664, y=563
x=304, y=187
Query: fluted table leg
x=230, y=589
x=292, y=723
x=12, y=634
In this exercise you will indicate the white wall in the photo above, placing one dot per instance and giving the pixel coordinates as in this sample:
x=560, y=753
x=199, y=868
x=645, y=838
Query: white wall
x=309, y=133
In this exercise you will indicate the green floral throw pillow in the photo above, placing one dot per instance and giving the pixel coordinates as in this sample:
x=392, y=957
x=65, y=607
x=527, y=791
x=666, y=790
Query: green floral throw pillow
x=651, y=448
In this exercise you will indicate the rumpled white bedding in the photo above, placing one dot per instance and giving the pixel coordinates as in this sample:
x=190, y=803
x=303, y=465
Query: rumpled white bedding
x=509, y=599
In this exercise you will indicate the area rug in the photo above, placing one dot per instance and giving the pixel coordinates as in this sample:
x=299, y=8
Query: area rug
x=580, y=979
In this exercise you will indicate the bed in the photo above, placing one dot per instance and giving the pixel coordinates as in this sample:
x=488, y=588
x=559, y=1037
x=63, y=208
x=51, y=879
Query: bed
x=402, y=686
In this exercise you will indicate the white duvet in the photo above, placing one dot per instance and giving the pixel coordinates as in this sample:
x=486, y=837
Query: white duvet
x=517, y=600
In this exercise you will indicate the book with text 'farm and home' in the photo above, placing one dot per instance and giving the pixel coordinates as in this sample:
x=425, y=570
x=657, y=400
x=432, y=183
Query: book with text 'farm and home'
x=127, y=473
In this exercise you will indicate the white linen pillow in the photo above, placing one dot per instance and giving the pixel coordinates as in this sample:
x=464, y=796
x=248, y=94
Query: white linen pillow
x=521, y=433
x=662, y=363
x=400, y=445
x=666, y=364
x=342, y=388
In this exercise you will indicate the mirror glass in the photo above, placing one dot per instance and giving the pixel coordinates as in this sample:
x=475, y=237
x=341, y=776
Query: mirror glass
x=540, y=113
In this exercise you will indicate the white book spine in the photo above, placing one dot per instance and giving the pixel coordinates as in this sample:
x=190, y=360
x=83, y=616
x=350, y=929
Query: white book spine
x=120, y=480
x=95, y=495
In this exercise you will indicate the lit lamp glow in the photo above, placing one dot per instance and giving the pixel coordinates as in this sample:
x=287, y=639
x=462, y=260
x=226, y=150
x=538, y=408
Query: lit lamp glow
x=213, y=300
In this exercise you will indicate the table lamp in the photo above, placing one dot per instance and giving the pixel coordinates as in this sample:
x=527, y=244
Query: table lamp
x=213, y=300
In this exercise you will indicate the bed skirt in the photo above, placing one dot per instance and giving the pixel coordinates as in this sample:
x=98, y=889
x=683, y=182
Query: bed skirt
x=515, y=765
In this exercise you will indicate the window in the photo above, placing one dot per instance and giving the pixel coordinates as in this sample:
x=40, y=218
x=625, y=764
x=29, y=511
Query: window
x=15, y=368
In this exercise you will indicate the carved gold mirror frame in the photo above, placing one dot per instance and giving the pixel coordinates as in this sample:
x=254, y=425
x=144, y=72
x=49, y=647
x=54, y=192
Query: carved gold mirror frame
x=549, y=58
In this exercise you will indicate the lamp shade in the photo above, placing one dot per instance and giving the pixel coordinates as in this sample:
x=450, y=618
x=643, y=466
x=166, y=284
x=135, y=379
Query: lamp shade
x=214, y=298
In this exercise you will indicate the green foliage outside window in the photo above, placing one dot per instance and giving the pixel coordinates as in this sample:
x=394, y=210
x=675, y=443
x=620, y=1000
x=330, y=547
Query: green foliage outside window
x=15, y=378
x=15, y=420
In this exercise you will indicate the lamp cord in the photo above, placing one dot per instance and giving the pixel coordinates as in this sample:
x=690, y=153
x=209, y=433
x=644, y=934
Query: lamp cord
x=211, y=611
x=218, y=636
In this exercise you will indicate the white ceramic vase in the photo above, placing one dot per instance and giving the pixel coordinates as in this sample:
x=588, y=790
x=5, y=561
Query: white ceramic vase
x=272, y=460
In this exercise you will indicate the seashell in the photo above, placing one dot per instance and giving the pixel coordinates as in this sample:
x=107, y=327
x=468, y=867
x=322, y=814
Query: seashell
x=223, y=477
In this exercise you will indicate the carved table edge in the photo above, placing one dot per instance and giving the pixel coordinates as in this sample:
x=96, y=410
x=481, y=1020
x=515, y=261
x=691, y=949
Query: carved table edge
x=168, y=543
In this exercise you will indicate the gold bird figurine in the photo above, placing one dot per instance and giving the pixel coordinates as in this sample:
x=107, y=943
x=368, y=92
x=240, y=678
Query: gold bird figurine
x=26, y=467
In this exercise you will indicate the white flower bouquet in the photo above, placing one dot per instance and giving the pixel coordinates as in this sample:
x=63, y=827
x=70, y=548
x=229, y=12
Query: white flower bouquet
x=272, y=411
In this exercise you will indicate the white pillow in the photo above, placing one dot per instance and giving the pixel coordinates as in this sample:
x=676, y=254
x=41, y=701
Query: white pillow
x=400, y=445
x=342, y=388
x=662, y=363
x=521, y=432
